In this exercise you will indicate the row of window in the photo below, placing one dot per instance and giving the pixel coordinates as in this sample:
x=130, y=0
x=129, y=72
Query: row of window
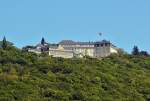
x=101, y=45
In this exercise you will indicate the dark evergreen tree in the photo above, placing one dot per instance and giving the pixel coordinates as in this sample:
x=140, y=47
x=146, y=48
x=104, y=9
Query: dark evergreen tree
x=4, y=43
x=135, y=51
x=144, y=53
x=43, y=41
x=148, y=99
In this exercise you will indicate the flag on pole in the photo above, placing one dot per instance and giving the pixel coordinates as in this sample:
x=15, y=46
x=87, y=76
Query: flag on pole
x=100, y=34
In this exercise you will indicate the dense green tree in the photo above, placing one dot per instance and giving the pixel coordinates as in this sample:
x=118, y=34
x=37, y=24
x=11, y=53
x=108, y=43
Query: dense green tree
x=4, y=43
x=144, y=53
x=135, y=51
x=43, y=41
x=148, y=99
x=30, y=77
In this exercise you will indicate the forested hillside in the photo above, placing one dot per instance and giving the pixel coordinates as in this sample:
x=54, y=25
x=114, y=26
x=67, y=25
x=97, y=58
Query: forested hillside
x=30, y=77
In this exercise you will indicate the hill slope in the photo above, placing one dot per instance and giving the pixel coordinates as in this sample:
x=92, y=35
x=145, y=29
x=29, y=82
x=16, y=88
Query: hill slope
x=28, y=77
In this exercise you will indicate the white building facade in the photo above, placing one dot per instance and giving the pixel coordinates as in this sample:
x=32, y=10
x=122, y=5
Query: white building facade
x=70, y=49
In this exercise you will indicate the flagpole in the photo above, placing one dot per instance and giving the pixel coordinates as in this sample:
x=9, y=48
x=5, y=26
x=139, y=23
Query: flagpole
x=100, y=34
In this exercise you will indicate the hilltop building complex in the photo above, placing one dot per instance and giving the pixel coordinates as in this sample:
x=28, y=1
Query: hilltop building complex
x=70, y=49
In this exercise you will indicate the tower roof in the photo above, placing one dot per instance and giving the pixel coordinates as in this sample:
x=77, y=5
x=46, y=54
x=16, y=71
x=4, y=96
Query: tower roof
x=103, y=42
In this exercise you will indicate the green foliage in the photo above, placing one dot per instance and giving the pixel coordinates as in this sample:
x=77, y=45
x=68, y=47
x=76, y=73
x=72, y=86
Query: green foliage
x=144, y=53
x=43, y=41
x=135, y=51
x=4, y=43
x=30, y=77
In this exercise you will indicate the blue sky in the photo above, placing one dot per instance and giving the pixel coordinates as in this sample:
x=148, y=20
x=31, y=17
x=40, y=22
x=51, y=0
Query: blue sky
x=124, y=22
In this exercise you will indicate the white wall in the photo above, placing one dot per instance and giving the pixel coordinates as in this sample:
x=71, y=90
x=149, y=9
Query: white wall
x=102, y=51
x=84, y=51
x=61, y=53
x=69, y=50
x=113, y=50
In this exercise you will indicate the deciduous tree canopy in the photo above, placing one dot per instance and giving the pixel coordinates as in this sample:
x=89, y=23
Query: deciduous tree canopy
x=29, y=77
